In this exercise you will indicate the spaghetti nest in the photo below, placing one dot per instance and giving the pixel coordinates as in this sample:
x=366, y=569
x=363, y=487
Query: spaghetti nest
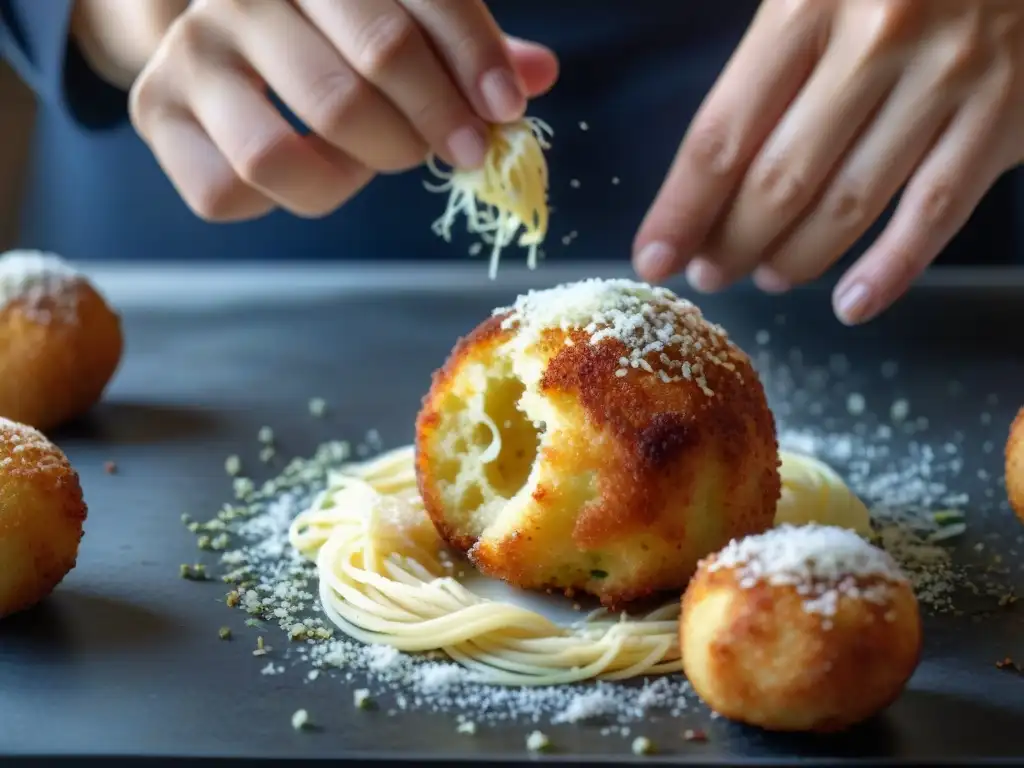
x=386, y=578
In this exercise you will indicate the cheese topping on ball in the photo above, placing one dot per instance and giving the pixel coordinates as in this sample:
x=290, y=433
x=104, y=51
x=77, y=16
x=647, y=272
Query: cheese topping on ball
x=34, y=276
x=16, y=438
x=822, y=563
x=649, y=321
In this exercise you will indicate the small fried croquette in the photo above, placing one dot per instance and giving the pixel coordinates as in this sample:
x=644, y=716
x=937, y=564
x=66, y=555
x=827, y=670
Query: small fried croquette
x=1014, y=456
x=61, y=343
x=802, y=628
x=41, y=517
x=596, y=437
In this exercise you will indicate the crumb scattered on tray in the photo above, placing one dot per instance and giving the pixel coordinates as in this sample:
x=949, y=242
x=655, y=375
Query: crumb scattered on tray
x=538, y=742
x=361, y=699
x=694, y=734
x=317, y=406
x=110, y=468
x=224, y=633
x=642, y=746
x=300, y=719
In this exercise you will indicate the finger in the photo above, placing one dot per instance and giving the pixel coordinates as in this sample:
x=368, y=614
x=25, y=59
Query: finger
x=263, y=149
x=384, y=44
x=472, y=47
x=874, y=171
x=764, y=74
x=200, y=174
x=846, y=89
x=535, y=65
x=938, y=201
x=322, y=90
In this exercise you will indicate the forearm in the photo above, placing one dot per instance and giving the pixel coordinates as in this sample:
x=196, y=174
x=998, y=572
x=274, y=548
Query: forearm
x=117, y=37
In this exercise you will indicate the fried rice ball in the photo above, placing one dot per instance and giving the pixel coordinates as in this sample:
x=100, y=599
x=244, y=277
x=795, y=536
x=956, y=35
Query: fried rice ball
x=61, y=343
x=802, y=628
x=41, y=516
x=1015, y=465
x=597, y=437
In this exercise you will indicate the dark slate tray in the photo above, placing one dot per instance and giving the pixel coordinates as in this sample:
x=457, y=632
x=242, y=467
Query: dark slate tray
x=123, y=661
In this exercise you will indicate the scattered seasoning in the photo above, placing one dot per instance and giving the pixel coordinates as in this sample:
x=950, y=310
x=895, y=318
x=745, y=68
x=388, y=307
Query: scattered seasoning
x=233, y=598
x=233, y=465
x=267, y=454
x=642, y=746
x=266, y=435
x=110, y=468
x=195, y=572
x=317, y=407
x=186, y=518
x=224, y=633
x=261, y=648
x=361, y=699
x=538, y=742
x=468, y=728
x=695, y=734
x=300, y=720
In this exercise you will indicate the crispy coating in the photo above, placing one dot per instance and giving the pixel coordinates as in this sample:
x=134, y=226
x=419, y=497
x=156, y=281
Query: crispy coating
x=1015, y=465
x=756, y=655
x=636, y=478
x=54, y=367
x=41, y=517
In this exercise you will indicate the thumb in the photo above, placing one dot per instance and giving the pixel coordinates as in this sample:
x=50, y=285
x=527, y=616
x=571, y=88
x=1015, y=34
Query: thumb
x=536, y=65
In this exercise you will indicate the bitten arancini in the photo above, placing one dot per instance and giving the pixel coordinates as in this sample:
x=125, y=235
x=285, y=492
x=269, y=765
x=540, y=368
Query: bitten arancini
x=41, y=516
x=61, y=343
x=597, y=437
x=802, y=628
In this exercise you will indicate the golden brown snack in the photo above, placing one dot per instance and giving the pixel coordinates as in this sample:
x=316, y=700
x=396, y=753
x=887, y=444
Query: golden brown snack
x=802, y=628
x=60, y=341
x=41, y=516
x=1015, y=465
x=599, y=436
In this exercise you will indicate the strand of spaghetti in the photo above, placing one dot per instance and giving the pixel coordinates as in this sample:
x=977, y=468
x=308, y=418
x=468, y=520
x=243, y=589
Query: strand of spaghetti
x=656, y=654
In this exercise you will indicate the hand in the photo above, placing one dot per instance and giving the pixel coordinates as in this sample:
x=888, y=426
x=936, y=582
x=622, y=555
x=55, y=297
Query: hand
x=378, y=82
x=826, y=110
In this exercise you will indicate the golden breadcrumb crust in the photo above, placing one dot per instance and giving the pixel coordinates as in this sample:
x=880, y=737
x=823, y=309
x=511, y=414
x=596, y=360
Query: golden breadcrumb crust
x=54, y=371
x=677, y=473
x=756, y=655
x=41, y=516
x=1014, y=455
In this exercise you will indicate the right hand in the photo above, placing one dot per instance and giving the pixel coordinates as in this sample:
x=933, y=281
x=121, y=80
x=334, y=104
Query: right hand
x=379, y=83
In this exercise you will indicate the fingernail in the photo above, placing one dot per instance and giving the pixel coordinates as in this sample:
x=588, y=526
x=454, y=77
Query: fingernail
x=656, y=261
x=704, y=276
x=468, y=147
x=502, y=94
x=853, y=303
x=770, y=281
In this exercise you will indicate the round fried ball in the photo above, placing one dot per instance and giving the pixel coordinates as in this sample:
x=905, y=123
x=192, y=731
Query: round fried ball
x=41, y=516
x=60, y=342
x=597, y=437
x=802, y=628
x=1015, y=465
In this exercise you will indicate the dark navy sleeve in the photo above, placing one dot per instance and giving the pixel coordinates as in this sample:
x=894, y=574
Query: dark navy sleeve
x=34, y=40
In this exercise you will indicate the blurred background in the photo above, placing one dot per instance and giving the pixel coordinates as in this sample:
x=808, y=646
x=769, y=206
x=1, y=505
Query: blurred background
x=15, y=129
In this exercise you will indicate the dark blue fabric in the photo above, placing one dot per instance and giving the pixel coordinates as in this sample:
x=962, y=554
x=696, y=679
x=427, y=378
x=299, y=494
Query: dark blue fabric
x=635, y=73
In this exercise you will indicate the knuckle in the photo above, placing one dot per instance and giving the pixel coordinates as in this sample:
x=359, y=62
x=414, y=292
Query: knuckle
x=780, y=183
x=934, y=205
x=711, y=148
x=257, y=158
x=213, y=201
x=847, y=206
x=335, y=98
x=382, y=42
x=963, y=55
x=891, y=22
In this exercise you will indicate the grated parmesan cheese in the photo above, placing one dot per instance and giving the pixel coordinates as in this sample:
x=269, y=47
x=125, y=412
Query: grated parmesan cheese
x=42, y=282
x=822, y=562
x=661, y=332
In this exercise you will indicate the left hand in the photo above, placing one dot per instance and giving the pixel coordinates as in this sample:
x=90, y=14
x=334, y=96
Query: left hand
x=825, y=111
